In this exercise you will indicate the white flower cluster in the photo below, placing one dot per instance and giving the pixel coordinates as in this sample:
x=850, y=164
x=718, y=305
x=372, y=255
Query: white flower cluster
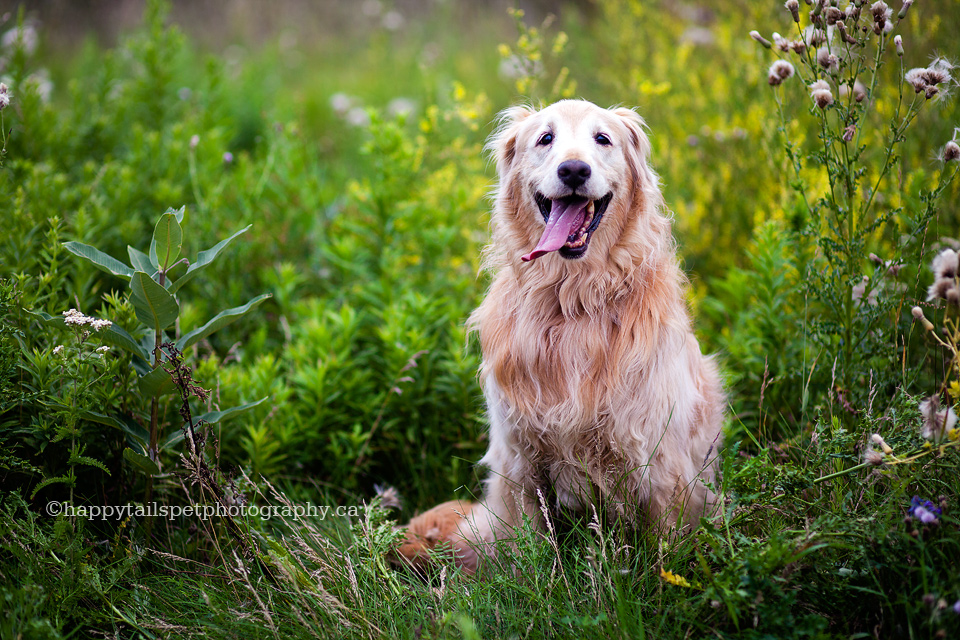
x=74, y=318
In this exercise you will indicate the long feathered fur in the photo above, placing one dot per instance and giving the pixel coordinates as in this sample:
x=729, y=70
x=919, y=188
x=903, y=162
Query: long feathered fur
x=596, y=389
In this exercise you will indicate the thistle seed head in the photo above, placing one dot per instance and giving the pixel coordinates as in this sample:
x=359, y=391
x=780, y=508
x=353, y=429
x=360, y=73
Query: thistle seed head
x=951, y=151
x=821, y=94
x=827, y=60
x=904, y=9
x=779, y=71
x=793, y=6
x=759, y=38
x=936, y=421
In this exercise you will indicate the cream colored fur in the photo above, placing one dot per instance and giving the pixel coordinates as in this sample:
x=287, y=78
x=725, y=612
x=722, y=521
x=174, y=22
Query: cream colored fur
x=596, y=389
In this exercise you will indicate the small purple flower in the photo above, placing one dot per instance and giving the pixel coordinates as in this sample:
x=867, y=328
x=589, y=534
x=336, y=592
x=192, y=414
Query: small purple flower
x=956, y=607
x=227, y=157
x=924, y=510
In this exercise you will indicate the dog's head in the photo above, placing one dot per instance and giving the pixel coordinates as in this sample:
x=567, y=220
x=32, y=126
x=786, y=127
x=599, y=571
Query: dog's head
x=570, y=178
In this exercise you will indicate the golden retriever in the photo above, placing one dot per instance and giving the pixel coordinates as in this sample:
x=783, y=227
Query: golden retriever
x=597, y=393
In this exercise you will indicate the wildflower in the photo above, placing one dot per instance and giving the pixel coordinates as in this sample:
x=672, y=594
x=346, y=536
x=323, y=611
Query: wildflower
x=57, y=349
x=827, y=60
x=227, y=157
x=834, y=15
x=918, y=315
x=780, y=43
x=922, y=79
x=878, y=440
x=779, y=71
x=759, y=38
x=194, y=141
x=951, y=151
x=945, y=267
x=401, y=106
x=673, y=578
x=849, y=132
x=820, y=92
x=860, y=290
x=358, y=117
x=25, y=38
x=926, y=512
x=846, y=37
x=898, y=41
x=793, y=6
x=871, y=456
x=956, y=607
x=340, y=103
x=389, y=498
x=393, y=21
x=4, y=96
x=103, y=349
x=881, y=17
x=936, y=422
x=814, y=37
x=904, y=9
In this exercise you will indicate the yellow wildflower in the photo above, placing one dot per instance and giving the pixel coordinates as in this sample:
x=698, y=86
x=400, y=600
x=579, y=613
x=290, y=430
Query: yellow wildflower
x=673, y=578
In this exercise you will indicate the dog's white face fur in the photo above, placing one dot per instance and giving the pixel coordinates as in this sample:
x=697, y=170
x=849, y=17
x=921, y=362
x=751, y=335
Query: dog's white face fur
x=570, y=168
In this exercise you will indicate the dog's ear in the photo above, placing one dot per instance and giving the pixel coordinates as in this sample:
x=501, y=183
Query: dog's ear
x=639, y=145
x=503, y=143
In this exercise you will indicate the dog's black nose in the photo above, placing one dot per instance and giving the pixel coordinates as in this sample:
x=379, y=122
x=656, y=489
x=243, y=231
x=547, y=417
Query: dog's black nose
x=573, y=173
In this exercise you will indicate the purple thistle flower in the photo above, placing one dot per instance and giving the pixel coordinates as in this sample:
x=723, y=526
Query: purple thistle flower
x=924, y=510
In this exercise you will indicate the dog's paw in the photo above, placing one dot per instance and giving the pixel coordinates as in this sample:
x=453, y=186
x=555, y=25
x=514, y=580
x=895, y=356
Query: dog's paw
x=442, y=531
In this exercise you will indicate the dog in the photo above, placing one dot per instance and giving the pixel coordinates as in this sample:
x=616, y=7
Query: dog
x=597, y=393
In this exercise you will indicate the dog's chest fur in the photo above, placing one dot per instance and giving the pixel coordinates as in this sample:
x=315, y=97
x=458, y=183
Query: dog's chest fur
x=561, y=384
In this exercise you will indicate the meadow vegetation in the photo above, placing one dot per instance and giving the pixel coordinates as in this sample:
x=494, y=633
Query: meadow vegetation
x=241, y=277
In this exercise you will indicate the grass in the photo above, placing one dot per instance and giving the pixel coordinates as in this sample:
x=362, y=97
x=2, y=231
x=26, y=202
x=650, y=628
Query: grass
x=368, y=237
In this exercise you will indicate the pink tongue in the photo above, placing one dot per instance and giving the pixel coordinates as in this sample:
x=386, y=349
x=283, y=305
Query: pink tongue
x=566, y=216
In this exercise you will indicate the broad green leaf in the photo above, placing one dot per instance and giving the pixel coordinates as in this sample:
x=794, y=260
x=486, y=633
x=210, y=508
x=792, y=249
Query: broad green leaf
x=115, y=336
x=204, y=258
x=140, y=260
x=99, y=259
x=141, y=462
x=213, y=417
x=168, y=237
x=154, y=305
x=152, y=257
x=219, y=321
x=176, y=437
x=156, y=383
x=136, y=434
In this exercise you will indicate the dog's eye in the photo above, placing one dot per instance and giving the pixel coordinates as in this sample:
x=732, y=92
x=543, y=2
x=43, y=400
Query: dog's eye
x=602, y=140
x=545, y=139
